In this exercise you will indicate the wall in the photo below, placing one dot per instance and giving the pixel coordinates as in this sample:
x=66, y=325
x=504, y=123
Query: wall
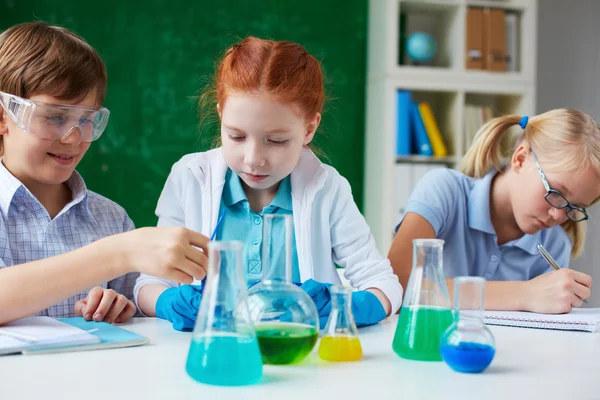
x=569, y=76
x=159, y=54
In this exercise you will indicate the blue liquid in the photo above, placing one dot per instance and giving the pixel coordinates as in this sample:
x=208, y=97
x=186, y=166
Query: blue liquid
x=227, y=360
x=468, y=357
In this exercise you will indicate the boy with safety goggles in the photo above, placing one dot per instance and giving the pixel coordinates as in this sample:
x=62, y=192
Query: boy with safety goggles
x=59, y=255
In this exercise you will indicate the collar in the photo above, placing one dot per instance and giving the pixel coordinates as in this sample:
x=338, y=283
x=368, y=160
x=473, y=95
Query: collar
x=210, y=170
x=528, y=242
x=79, y=191
x=283, y=197
x=478, y=205
x=10, y=186
x=233, y=192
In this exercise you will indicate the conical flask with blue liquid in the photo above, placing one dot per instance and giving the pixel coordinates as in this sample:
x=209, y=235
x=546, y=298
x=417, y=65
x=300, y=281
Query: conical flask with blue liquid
x=425, y=313
x=224, y=350
x=285, y=318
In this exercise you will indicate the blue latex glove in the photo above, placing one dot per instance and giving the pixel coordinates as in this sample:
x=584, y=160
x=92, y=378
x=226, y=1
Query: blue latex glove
x=180, y=306
x=366, y=307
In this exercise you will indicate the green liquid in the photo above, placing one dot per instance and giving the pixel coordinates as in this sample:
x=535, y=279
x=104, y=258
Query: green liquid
x=285, y=343
x=419, y=332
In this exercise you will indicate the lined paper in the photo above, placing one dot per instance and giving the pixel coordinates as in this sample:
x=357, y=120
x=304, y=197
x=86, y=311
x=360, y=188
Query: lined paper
x=579, y=319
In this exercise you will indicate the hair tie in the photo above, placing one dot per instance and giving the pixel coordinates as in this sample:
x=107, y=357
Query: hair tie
x=523, y=121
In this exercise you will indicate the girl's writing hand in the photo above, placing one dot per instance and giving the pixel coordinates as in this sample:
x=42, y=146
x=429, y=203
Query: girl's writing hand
x=557, y=292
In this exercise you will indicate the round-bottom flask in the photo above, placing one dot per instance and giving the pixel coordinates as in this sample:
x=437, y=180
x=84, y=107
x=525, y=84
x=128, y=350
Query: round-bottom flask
x=468, y=345
x=285, y=318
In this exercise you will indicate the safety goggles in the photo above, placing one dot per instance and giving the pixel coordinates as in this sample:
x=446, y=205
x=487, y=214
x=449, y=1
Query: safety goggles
x=52, y=121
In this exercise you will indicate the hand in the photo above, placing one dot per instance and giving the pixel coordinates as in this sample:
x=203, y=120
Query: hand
x=164, y=252
x=105, y=305
x=557, y=292
x=180, y=306
x=366, y=307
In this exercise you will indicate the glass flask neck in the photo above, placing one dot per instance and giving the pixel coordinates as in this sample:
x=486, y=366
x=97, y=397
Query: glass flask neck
x=428, y=254
x=341, y=320
x=469, y=299
x=224, y=266
x=225, y=289
x=277, y=260
x=427, y=285
x=341, y=298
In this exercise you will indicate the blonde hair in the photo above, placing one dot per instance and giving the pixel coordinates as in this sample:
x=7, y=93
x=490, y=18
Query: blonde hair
x=36, y=58
x=569, y=136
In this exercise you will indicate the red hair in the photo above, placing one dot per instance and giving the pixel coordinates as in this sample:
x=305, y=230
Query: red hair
x=281, y=69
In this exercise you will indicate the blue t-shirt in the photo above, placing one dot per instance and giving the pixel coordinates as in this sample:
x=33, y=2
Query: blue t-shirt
x=242, y=223
x=458, y=209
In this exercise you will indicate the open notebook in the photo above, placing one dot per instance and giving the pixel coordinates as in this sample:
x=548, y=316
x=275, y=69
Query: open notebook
x=579, y=319
x=40, y=335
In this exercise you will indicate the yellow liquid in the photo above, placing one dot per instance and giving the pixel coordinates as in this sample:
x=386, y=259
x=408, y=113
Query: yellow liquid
x=340, y=348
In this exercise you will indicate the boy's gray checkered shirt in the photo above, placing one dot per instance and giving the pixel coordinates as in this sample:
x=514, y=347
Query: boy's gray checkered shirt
x=27, y=233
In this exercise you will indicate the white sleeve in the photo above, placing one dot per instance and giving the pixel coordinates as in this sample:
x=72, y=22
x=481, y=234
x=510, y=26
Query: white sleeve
x=354, y=247
x=170, y=213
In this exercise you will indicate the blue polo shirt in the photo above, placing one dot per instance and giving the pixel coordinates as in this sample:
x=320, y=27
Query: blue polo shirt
x=242, y=223
x=458, y=209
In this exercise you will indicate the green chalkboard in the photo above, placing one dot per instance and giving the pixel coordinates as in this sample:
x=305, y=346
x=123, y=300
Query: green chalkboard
x=159, y=54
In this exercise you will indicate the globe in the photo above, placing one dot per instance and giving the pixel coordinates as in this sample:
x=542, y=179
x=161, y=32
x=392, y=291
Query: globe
x=420, y=47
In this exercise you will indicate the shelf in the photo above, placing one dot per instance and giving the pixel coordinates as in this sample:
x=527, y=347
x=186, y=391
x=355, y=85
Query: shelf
x=429, y=6
x=496, y=105
x=455, y=74
x=504, y=5
x=446, y=79
x=501, y=104
x=440, y=19
x=461, y=99
x=427, y=159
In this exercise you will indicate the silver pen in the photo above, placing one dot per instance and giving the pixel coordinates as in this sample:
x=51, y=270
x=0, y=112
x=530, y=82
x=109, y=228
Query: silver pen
x=549, y=259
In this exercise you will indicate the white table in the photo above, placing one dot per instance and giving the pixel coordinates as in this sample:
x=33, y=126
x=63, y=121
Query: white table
x=529, y=364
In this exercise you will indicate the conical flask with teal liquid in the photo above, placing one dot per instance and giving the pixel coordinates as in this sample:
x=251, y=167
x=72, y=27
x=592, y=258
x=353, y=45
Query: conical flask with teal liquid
x=224, y=350
x=285, y=317
x=426, y=311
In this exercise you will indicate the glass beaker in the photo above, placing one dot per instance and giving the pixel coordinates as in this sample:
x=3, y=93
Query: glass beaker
x=425, y=313
x=224, y=350
x=340, y=341
x=285, y=318
x=468, y=345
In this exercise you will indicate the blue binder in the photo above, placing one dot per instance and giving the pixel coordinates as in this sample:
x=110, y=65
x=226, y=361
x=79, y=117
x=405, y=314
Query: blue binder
x=403, y=130
x=422, y=143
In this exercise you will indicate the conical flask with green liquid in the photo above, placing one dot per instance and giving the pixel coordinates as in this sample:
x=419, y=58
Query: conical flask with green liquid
x=426, y=311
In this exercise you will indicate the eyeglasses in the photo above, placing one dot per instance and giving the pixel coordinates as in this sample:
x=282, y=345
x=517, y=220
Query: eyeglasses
x=557, y=200
x=52, y=121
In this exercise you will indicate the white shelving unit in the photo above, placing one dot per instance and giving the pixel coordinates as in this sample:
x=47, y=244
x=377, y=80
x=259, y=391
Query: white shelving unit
x=448, y=87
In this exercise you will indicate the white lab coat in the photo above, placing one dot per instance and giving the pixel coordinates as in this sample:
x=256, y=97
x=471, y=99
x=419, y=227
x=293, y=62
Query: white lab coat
x=328, y=226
